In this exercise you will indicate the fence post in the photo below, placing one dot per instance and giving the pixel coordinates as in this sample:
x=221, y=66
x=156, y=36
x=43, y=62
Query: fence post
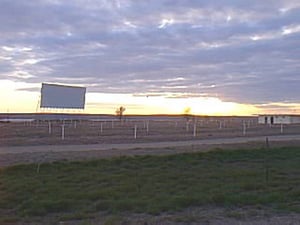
x=147, y=126
x=49, y=127
x=195, y=129
x=63, y=132
x=244, y=128
x=187, y=126
x=135, y=131
x=266, y=162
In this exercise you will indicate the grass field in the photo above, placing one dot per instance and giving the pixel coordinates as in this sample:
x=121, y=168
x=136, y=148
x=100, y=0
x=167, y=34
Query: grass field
x=152, y=184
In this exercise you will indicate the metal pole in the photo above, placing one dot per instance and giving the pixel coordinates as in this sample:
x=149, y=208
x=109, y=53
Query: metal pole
x=266, y=162
x=147, y=127
x=195, y=129
x=63, y=132
x=135, y=131
x=244, y=128
x=49, y=127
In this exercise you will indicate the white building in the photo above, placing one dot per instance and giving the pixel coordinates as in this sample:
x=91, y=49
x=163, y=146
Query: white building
x=278, y=119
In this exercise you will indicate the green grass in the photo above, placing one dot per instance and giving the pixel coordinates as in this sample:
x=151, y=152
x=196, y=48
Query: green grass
x=153, y=184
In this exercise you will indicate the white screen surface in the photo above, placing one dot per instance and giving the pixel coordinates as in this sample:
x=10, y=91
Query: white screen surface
x=61, y=96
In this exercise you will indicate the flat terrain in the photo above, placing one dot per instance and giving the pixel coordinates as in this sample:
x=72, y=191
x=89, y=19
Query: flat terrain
x=116, y=132
x=256, y=186
x=97, y=139
x=12, y=155
x=209, y=171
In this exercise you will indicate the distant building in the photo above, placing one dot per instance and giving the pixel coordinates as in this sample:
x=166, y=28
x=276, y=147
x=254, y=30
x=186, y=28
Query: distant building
x=278, y=119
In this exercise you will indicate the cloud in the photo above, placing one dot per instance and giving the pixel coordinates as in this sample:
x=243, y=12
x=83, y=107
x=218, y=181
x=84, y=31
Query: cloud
x=279, y=108
x=241, y=51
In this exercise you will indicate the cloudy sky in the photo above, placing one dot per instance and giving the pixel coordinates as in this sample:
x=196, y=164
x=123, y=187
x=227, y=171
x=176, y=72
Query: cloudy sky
x=154, y=56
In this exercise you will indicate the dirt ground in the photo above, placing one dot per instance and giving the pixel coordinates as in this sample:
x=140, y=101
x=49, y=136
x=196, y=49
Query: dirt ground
x=113, y=132
x=97, y=139
x=209, y=215
x=101, y=140
x=83, y=152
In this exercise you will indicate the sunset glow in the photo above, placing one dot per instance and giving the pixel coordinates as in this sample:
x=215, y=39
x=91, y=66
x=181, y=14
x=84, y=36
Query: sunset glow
x=103, y=103
x=157, y=57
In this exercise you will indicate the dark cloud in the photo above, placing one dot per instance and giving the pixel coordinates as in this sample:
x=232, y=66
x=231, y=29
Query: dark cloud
x=241, y=51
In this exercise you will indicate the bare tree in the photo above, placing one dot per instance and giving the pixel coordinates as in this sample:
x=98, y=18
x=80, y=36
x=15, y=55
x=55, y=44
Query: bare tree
x=120, y=112
x=187, y=114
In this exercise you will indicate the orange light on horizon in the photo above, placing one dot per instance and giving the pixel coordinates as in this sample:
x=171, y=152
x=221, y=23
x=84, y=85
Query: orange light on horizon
x=15, y=99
